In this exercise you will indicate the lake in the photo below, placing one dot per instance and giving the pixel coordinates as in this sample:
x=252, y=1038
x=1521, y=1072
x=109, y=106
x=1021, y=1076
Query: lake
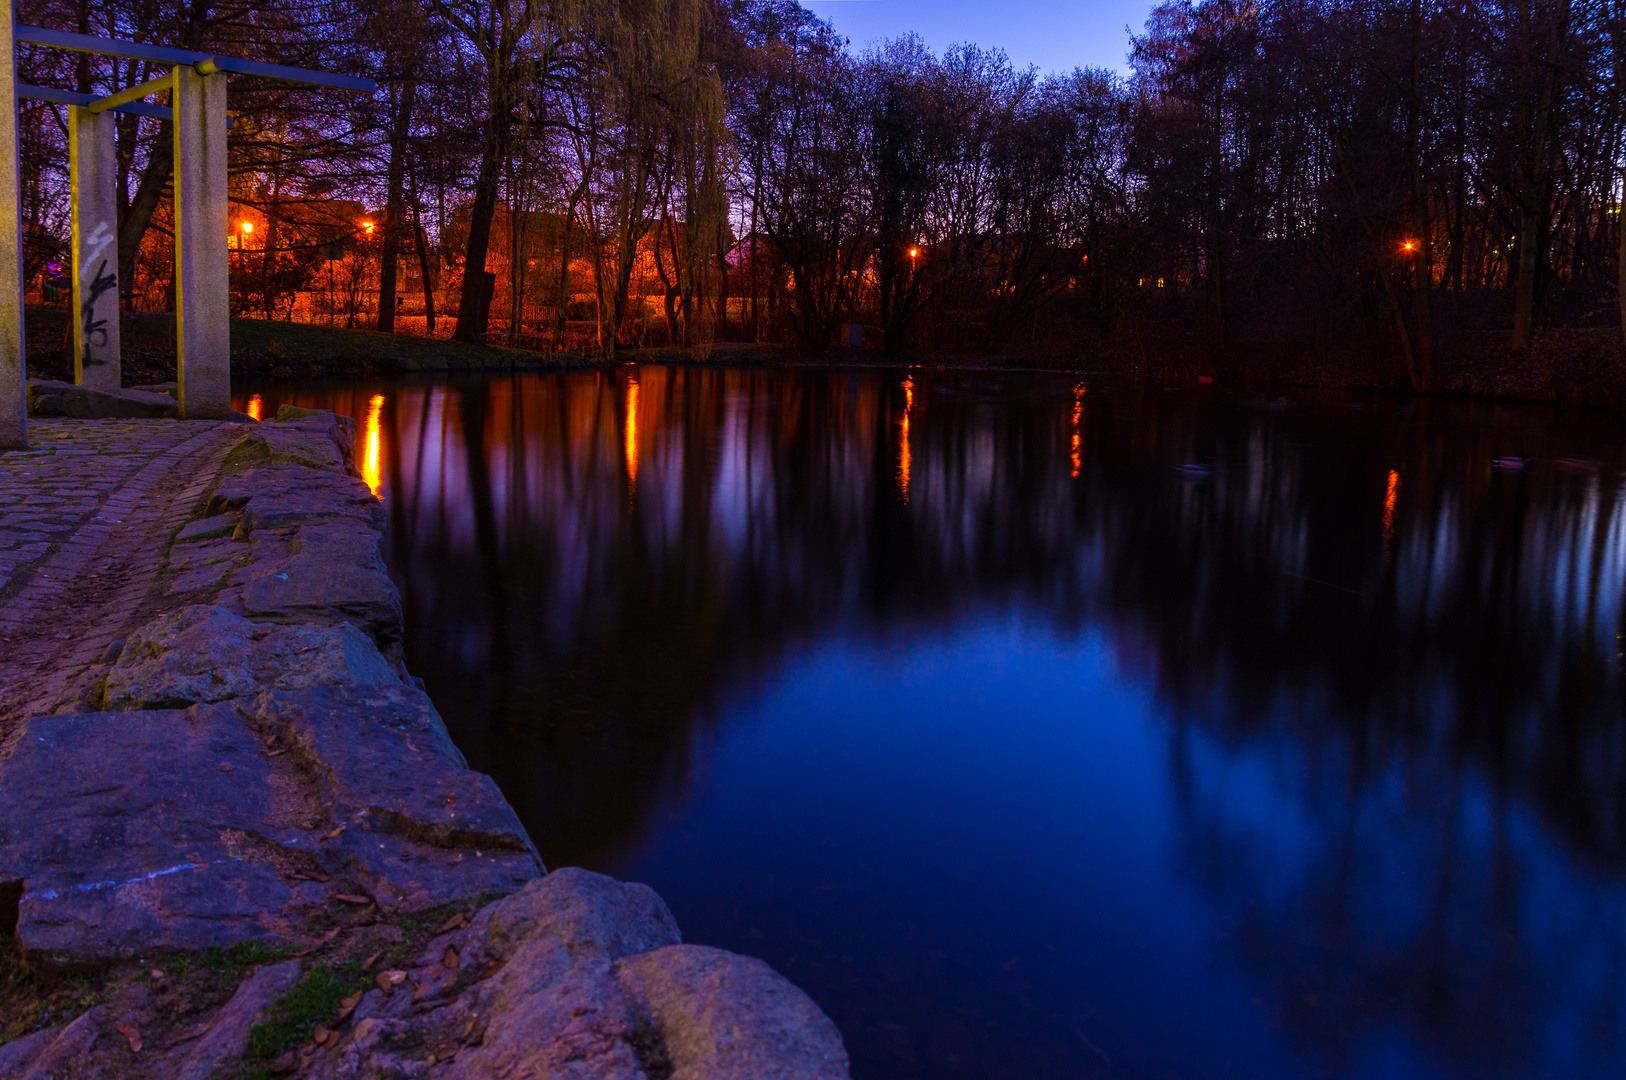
x=1026, y=752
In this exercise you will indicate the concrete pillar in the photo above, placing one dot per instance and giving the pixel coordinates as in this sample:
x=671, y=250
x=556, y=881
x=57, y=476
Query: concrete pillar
x=93, y=176
x=13, y=359
x=202, y=299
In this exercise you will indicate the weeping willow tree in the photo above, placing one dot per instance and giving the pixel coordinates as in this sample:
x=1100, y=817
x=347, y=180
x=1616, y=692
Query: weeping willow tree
x=646, y=129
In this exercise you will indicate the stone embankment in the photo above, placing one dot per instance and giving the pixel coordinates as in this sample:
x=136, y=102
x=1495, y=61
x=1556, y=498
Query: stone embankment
x=249, y=766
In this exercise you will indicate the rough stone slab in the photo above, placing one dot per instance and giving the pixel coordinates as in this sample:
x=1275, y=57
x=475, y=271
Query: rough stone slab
x=283, y=496
x=227, y=1036
x=18, y=1054
x=113, y=822
x=47, y=397
x=721, y=1016
x=341, y=429
x=327, y=573
x=590, y=982
x=586, y=912
x=207, y=528
x=286, y=444
x=46, y=1055
x=133, y=833
x=382, y=752
x=405, y=876
x=202, y=654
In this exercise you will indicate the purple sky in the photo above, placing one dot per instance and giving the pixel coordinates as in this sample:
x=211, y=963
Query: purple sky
x=1053, y=35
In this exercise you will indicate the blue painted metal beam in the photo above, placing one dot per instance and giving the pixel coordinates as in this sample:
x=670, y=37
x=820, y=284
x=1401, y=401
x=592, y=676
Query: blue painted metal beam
x=69, y=97
x=162, y=54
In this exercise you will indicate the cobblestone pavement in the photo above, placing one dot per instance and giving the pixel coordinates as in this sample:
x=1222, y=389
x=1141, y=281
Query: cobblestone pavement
x=87, y=514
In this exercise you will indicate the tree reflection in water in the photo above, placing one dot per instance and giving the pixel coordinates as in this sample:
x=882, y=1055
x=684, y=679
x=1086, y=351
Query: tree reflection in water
x=1389, y=675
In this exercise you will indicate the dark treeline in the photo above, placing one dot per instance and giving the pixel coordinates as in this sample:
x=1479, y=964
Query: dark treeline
x=1388, y=191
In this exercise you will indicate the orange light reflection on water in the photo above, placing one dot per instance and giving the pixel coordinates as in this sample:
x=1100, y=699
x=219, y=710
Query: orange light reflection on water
x=904, y=461
x=255, y=405
x=371, y=469
x=1389, y=505
x=1078, y=435
x=632, y=432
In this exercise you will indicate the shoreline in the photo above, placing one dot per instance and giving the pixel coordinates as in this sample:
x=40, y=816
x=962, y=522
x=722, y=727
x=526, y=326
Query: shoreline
x=294, y=836
x=1568, y=368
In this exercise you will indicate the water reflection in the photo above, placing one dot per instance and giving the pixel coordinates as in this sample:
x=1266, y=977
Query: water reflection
x=1382, y=680
x=372, y=469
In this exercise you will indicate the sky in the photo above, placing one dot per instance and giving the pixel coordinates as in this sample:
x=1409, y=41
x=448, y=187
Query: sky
x=1053, y=35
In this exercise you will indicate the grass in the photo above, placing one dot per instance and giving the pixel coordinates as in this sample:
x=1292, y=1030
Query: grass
x=312, y=344
x=315, y=1000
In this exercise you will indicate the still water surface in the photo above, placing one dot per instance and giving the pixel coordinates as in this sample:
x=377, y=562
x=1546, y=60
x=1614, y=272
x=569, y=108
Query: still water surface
x=1026, y=754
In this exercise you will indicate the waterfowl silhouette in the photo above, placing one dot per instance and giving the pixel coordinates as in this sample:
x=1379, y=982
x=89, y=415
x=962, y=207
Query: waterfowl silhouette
x=1512, y=464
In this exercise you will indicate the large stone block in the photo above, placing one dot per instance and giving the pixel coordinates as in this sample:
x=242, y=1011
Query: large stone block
x=283, y=496
x=279, y=444
x=578, y=975
x=382, y=753
x=721, y=1016
x=47, y=397
x=341, y=429
x=112, y=823
x=129, y=834
x=201, y=654
x=326, y=573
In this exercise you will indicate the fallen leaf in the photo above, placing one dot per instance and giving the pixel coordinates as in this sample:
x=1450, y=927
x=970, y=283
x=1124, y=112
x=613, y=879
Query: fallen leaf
x=468, y=1030
x=327, y=937
x=278, y=753
x=489, y=970
x=155, y=973
x=131, y=1035
x=187, y=1037
x=335, y=832
x=371, y=960
x=451, y=959
x=351, y=898
x=283, y=1063
x=365, y=1028
x=320, y=1035
x=389, y=980
x=453, y=923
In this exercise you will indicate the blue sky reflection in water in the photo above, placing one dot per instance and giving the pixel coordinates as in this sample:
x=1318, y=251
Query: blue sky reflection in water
x=944, y=693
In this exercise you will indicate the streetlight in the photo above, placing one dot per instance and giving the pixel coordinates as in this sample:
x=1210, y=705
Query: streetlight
x=912, y=253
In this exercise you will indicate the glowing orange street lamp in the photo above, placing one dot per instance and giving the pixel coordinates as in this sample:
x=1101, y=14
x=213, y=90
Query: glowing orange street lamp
x=368, y=227
x=248, y=227
x=1408, y=246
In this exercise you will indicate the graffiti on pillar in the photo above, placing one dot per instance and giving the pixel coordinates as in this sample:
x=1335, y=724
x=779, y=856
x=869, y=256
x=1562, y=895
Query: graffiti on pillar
x=98, y=283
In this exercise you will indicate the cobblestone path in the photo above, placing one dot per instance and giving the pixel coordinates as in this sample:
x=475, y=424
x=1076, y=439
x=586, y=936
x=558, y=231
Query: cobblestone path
x=87, y=514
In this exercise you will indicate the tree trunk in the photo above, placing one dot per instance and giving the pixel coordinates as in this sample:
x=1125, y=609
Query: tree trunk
x=394, y=209
x=721, y=331
x=471, y=312
x=562, y=310
x=1533, y=199
x=1422, y=262
x=1620, y=228
x=149, y=192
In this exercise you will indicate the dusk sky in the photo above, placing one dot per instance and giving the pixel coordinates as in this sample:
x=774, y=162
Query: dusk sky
x=1053, y=35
